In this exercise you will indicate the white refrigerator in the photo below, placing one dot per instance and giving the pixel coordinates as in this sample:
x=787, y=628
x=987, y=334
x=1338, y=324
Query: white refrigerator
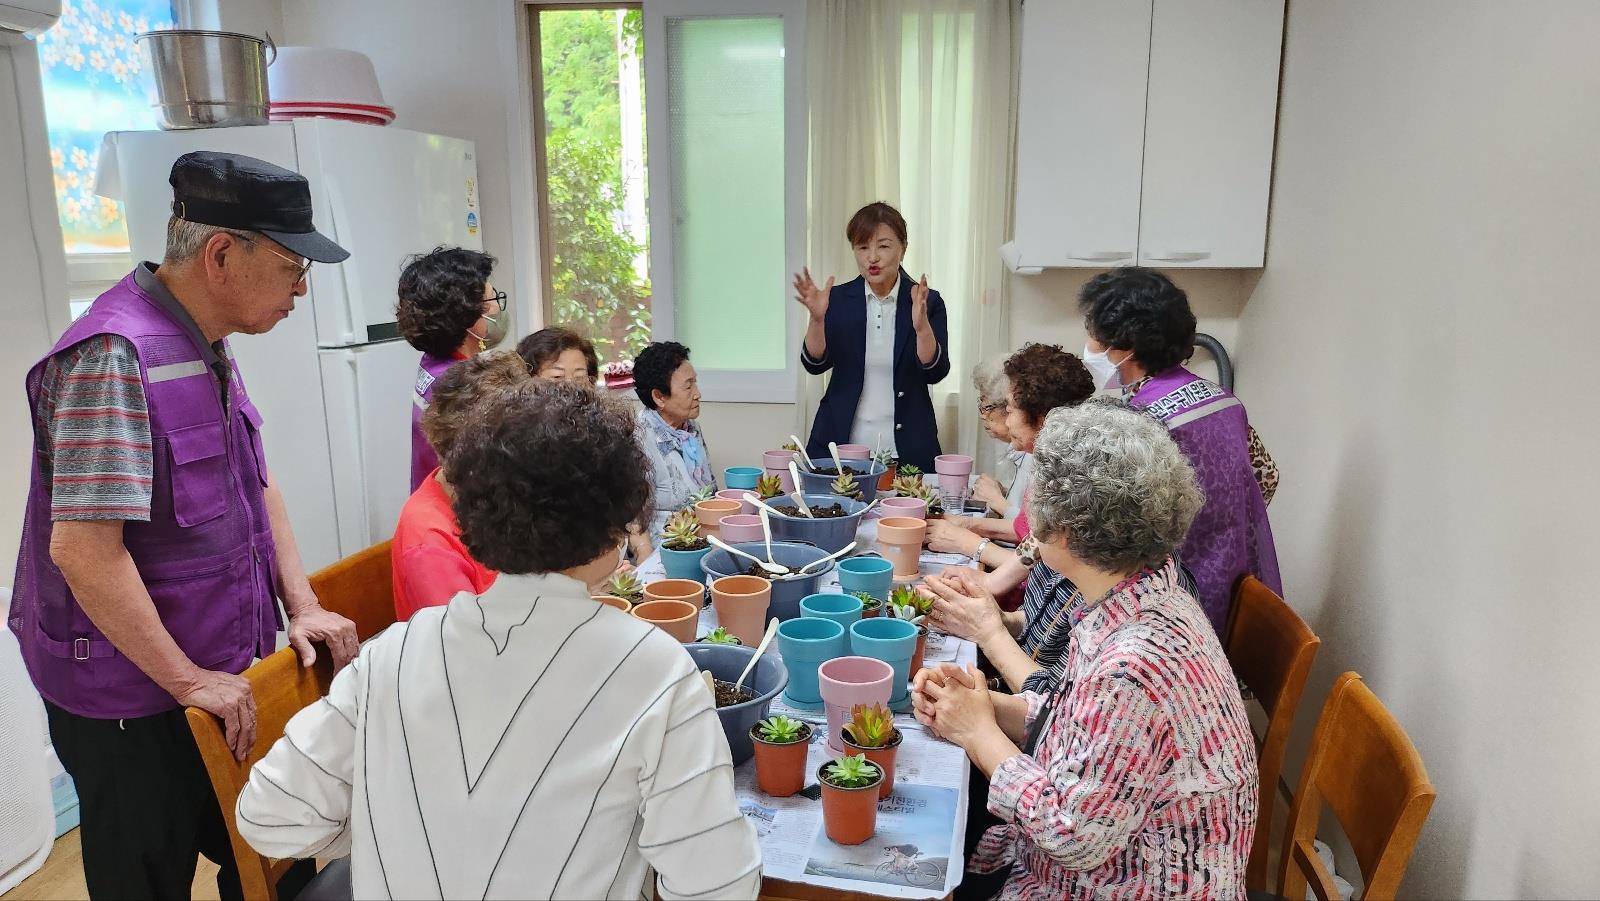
x=333, y=381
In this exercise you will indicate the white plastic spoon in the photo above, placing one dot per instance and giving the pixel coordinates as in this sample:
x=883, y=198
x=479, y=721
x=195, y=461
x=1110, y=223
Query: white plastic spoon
x=833, y=556
x=799, y=490
x=777, y=569
x=761, y=504
x=801, y=455
x=772, y=629
x=833, y=448
x=711, y=685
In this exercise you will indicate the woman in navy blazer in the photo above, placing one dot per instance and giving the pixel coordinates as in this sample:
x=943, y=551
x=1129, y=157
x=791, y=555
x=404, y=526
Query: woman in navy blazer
x=885, y=339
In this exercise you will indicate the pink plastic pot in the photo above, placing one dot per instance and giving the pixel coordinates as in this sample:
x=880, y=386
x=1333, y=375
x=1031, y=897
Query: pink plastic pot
x=736, y=495
x=911, y=507
x=848, y=681
x=855, y=452
x=900, y=540
x=740, y=527
x=954, y=470
x=784, y=479
x=777, y=460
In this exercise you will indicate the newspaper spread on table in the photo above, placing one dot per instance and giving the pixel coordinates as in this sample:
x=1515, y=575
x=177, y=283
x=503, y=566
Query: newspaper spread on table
x=916, y=851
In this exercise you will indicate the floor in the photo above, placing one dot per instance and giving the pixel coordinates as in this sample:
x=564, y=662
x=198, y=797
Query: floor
x=61, y=877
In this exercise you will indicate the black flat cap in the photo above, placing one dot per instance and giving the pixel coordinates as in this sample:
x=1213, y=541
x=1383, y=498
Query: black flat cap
x=229, y=190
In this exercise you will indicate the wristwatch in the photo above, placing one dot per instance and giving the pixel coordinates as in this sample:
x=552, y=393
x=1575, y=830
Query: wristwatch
x=977, y=554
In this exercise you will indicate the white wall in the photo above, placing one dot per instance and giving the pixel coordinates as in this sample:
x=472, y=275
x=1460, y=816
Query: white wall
x=1417, y=352
x=34, y=267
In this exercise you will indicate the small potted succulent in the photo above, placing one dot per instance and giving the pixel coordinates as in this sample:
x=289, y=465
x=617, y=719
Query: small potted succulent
x=626, y=585
x=870, y=606
x=846, y=486
x=891, y=466
x=849, y=798
x=781, y=743
x=907, y=486
x=769, y=486
x=871, y=733
x=703, y=493
x=911, y=605
x=720, y=635
x=682, y=546
x=923, y=492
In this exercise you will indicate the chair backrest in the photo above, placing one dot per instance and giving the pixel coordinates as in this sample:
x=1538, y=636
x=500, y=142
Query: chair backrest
x=1271, y=648
x=281, y=687
x=1364, y=767
x=361, y=588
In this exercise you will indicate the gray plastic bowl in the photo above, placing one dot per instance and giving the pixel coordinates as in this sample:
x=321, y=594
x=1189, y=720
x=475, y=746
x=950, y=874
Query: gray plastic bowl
x=816, y=484
x=829, y=534
x=786, y=593
x=769, y=677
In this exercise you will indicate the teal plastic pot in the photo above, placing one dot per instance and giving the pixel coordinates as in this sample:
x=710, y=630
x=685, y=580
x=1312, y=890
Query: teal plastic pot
x=806, y=643
x=841, y=608
x=894, y=641
x=741, y=476
x=874, y=575
x=684, y=564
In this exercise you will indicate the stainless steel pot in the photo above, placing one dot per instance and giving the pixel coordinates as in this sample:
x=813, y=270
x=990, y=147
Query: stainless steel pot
x=208, y=79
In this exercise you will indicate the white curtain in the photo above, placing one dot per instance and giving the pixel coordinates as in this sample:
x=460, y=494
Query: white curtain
x=910, y=103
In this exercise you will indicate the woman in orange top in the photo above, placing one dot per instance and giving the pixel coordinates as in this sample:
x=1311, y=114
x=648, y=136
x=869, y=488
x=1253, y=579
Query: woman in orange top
x=431, y=565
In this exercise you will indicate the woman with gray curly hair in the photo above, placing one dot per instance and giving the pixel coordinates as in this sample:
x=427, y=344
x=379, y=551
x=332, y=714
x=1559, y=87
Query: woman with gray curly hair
x=1137, y=774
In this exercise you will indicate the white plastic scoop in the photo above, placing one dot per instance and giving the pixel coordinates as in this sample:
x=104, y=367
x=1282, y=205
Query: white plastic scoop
x=772, y=629
x=776, y=569
x=799, y=490
x=833, y=556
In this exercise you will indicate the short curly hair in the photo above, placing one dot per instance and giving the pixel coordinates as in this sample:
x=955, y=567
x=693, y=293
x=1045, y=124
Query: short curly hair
x=440, y=297
x=551, y=478
x=547, y=344
x=1139, y=309
x=1044, y=377
x=653, y=369
x=1111, y=480
x=457, y=394
x=989, y=378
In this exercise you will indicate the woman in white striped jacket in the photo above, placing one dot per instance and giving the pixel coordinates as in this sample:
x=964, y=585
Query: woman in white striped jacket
x=528, y=742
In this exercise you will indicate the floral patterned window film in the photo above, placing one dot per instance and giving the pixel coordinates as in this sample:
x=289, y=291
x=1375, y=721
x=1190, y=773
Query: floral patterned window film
x=94, y=82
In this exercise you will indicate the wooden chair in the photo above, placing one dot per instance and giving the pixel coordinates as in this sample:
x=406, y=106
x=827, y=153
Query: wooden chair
x=1365, y=768
x=1271, y=649
x=360, y=587
x=281, y=687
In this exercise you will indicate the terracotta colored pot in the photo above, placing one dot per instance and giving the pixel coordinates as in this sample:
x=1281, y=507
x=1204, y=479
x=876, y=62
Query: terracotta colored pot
x=913, y=507
x=741, y=603
x=687, y=590
x=882, y=758
x=739, y=528
x=874, y=613
x=922, y=646
x=845, y=682
x=855, y=452
x=886, y=481
x=849, y=815
x=680, y=619
x=780, y=769
x=900, y=540
x=711, y=513
x=611, y=600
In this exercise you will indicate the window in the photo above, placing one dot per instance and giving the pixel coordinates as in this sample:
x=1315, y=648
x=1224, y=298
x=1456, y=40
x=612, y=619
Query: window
x=92, y=73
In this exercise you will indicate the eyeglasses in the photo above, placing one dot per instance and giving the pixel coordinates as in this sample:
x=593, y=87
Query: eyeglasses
x=304, y=269
x=986, y=409
x=499, y=300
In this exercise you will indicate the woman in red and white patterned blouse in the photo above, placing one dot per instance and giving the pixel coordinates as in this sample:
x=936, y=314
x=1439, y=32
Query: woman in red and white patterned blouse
x=1136, y=777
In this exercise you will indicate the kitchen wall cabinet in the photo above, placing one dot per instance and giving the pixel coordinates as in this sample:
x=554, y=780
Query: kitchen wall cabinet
x=1145, y=132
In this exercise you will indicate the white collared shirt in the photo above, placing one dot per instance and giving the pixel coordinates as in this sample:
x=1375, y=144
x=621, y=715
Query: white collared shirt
x=874, y=422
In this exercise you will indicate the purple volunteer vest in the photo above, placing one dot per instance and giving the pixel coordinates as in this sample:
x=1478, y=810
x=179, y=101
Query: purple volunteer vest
x=206, y=555
x=423, y=460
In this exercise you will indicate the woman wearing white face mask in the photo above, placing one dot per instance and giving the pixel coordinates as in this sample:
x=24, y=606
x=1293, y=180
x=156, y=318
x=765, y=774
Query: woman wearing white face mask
x=1141, y=330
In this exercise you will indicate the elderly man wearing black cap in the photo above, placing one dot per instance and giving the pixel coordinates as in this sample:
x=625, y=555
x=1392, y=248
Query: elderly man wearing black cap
x=155, y=545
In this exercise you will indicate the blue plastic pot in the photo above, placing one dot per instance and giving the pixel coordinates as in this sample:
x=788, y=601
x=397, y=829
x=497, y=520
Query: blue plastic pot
x=769, y=677
x=841, y=608
x=807, y=643
x=684, y=564
x=742, y=476
x=815, y=484
x=894, y=641
x=829, y=534
x=786, y=593
x=874, y=575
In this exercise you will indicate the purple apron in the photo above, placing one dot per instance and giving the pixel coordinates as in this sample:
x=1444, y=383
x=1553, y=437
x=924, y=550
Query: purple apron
x=206, y=556
x=1231, y=536
x=423, y=459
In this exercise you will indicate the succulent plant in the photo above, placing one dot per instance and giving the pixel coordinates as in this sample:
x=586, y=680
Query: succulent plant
x=782, y=730
x=791, y=446
x=850, y=771
x=769, y=486
x=868, y=602
x=682, y=531
x=846, y=486
x=626, y=585
x=884, y=456
x=720, y=635
x=703, y=493
x=907, y=486
x=911, y=469
x=869, y=727
x=909, y=604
